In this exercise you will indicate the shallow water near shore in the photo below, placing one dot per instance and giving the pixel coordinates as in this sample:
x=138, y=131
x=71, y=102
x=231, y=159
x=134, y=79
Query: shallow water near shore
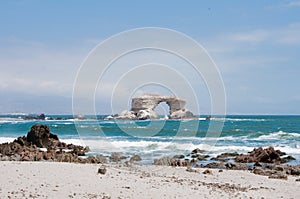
x=166, y=137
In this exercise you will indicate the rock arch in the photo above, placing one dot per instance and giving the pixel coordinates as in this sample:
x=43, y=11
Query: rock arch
x=143, y=106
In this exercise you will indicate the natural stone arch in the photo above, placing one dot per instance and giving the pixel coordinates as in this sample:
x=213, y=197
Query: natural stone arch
x=165, y=106
x=144, y=106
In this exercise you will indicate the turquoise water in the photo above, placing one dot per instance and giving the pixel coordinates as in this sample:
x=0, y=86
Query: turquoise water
x=168, y=137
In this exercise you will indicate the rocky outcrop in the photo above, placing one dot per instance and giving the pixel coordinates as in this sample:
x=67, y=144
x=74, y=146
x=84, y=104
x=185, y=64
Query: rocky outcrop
x=267, y=155
x=142, y=108
x=41, y=145
x=40, y=136
x=38, y=117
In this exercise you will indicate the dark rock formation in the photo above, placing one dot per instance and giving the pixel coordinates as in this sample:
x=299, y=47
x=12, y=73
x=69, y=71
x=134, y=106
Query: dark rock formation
x=268, y=155
x=38, y=117
x=135, y=158
x=225, y=156
x=102, y=170
x=166, y=161
x=40, y=136
x=116, y=157
x=28, y=148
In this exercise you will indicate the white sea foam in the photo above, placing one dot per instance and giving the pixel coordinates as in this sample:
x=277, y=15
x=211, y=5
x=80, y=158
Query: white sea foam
x=6, y=139
x=73, y=141
x=240, y=119
x=277, y=135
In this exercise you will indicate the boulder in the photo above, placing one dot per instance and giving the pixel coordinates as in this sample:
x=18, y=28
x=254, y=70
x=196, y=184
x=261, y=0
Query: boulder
x=40, y=136
x=207, y=171
x=101, y=158
x=116, y=157
x=164, y=161
x=102, y=170
x=135, y=158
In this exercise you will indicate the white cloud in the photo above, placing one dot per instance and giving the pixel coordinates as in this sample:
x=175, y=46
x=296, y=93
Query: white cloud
x=251, y=36
x=288, y=35
x=293, y=4
x=32, y=67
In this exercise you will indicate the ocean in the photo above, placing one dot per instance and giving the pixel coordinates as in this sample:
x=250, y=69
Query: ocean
x=158, y=138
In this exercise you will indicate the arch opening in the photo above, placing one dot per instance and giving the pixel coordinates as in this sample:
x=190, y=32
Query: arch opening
x=163, y=110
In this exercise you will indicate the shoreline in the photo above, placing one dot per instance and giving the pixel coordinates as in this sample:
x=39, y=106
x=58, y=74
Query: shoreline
x=71, y=180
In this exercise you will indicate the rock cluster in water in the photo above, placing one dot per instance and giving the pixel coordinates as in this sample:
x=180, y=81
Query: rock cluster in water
x=41, y=145
x=142, y=108
x=266, y=162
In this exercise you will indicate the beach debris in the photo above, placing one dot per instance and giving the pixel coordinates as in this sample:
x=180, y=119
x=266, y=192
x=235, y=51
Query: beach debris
x=263, y=172
x=102, y=170
x=278, y=176
x=189, y=169
x=207, y=171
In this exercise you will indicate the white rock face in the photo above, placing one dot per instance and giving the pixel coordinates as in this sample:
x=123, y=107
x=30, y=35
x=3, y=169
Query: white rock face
x=182, y=114
x=147, y=115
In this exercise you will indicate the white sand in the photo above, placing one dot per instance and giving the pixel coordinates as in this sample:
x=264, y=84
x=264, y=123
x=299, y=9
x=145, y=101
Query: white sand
x=68, y=180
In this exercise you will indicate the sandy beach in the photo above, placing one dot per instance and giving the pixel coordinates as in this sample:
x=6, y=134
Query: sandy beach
x=69, y=180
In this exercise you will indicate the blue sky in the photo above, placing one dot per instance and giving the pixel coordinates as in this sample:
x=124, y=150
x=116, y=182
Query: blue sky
x=255, y=44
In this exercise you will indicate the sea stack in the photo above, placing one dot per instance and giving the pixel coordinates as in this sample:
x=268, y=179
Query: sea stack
x=142, y=108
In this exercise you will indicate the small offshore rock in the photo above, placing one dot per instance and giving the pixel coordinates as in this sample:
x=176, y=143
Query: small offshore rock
x=178, y=156
x=116, y=157
x=197, y=150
